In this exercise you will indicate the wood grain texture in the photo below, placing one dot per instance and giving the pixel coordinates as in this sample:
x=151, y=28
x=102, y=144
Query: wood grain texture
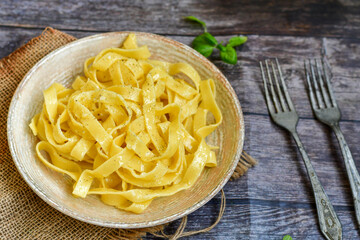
x=307, y=18
x=274, y=198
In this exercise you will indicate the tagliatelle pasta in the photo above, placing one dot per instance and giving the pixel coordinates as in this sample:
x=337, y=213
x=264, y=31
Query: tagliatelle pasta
x=130, y=130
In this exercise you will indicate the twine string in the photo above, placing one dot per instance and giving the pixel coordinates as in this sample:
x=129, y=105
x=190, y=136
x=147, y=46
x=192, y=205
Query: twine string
x=179, y=233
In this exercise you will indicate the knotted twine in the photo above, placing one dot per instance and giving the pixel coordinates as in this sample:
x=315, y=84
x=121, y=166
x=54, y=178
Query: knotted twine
x=23, y=215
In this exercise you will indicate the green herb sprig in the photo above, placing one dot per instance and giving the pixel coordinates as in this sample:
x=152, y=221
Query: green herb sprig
x=287, y=237
x=205, y=43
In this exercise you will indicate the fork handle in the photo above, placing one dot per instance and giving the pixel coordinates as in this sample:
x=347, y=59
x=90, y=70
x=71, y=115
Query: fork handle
x=351, y=170
x=329, y=223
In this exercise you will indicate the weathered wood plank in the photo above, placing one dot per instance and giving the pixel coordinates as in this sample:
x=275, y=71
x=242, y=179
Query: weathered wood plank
x=305, y=18
x=11, y=39
x=281, y=174
x=343, y=55
x=274, y=198
x=258, y=220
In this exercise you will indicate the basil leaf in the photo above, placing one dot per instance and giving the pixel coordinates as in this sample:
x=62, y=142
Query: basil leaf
x=205, y=50
x=287, y=237
x=229, y=55
x=210, y=38
x=194, y=19
x=205, y=39
x=236, y=41
x=205, y=43
x=221, y=47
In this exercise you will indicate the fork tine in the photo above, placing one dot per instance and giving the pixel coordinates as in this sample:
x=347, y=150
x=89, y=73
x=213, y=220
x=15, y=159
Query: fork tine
x=311, y=91
x=321, y=83
x=328, y=85
x=287, y=96
x=272, y=90
x=280, y=94
x=267, y=95
x=316, y=87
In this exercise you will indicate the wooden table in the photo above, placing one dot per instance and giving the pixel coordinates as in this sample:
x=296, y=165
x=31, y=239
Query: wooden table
x=274, y=198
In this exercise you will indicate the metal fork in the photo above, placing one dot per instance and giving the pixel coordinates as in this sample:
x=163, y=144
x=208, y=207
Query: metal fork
x=326, y=110
x=283, y=113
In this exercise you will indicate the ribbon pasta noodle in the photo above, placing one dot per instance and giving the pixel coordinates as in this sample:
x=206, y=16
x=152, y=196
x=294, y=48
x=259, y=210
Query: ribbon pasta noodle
x=129, y=130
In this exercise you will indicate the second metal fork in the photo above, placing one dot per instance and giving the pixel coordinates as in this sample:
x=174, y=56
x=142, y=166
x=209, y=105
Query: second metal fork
x=283, y=112
x=326, y=110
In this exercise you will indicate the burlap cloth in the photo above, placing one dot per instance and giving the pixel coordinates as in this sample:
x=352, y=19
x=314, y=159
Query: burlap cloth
x=23, y=215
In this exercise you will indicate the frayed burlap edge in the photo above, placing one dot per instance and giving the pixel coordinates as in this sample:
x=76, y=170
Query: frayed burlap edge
x=23, y=214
